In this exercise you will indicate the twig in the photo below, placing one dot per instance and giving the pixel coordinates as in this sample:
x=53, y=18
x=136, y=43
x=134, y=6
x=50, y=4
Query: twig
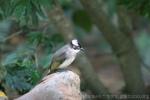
x=13, y=35
x=36, y=60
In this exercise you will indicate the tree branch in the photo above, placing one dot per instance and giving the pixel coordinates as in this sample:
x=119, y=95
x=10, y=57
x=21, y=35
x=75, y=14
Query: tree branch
x=122, y=45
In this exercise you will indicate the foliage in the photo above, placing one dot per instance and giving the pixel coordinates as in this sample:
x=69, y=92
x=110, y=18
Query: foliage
x=22, y=64
x=65, y=3
x=22, y=73
x=29, y=12
x=49, y=42
x=3, y=72
x=79, y=16
x=26, y=11
x=139, y=6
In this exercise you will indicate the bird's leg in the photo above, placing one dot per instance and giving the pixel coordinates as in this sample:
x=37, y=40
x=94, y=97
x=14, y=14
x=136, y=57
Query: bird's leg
x=62, y=69
x=58, y=70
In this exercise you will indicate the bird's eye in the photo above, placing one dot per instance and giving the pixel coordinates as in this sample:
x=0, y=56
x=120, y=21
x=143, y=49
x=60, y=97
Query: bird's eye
x=76, y=47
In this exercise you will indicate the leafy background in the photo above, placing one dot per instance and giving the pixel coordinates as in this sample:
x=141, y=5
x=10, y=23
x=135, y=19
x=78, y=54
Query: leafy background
x=27, y=39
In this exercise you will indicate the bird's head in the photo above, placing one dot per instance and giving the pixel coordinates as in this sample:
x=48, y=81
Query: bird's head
x=76, y=45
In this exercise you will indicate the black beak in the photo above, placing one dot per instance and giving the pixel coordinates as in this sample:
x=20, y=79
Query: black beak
x=82, y=49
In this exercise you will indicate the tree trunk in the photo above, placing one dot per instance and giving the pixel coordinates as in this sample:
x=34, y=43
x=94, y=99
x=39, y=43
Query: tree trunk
x=122, y=44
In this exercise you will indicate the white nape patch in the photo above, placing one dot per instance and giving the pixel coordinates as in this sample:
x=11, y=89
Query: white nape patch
x=75, y=42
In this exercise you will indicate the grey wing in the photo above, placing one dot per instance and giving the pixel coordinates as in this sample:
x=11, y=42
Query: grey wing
x=56, y=62
x=61, y=51
x=58, y=58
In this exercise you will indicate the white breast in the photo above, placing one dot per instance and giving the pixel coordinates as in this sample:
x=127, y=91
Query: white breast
x=71, y=52
x=70, y=57
x=67, y=62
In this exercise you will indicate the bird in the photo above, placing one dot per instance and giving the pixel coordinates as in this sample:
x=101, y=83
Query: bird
x=64, y=57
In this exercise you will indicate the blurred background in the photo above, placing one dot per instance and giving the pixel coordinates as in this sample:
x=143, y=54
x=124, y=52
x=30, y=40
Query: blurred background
x=114, y=34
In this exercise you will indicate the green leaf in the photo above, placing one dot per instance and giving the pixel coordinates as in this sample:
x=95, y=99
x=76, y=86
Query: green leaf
x=46, y=61
x=139, y=6
x=35, y=76
x=3, y=72
x=36, y=37
x=81, y=19
x=21, y=63
x=44, y=3
x=57, y=38
x=65, y=3
x=10, y=59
